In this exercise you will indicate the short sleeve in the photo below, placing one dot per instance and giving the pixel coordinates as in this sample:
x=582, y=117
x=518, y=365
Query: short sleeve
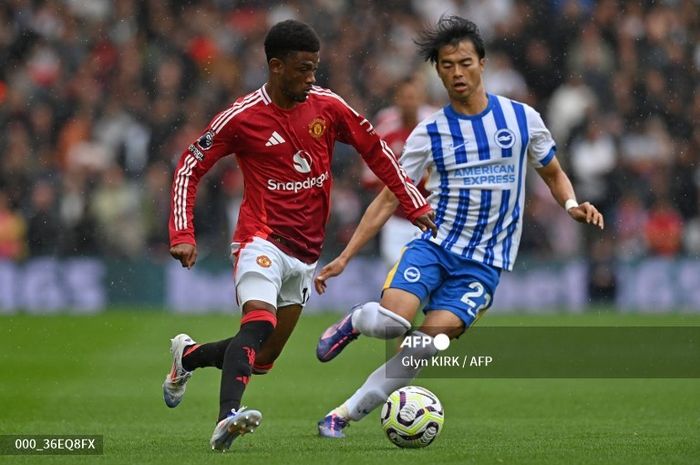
x=542, y=148
x=416, y=153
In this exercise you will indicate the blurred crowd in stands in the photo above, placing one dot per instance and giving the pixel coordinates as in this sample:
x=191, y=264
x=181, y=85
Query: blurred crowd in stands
x=99, y=98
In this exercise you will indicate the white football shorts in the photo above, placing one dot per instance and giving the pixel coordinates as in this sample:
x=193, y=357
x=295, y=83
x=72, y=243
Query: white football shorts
x=263, y=272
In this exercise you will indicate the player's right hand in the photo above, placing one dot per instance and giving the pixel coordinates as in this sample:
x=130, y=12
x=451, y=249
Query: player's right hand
x=334, y=268
x=587, y=213
x=426, y=222
x=185, y=253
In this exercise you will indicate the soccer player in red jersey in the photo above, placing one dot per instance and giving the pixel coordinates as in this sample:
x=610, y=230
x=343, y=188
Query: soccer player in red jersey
x=282, y=136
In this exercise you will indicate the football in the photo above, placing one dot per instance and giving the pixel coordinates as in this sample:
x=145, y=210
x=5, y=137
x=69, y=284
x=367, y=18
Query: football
x=412, y=417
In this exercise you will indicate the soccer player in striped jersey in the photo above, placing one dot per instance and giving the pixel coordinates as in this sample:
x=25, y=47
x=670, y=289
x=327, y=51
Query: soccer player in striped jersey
x=283, y=136
x=475, y=149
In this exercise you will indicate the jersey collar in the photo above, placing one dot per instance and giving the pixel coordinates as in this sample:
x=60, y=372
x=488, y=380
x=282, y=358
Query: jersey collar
x=452, y=113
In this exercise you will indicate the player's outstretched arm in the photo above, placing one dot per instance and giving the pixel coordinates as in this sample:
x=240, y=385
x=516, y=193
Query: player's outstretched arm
x=377, y=213
x=563, y=192
x=358, y=132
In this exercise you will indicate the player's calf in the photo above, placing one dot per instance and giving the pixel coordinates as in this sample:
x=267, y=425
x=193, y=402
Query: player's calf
x=378, y=386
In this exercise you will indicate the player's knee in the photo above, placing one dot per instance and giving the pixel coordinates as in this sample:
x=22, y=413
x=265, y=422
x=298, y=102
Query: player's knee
x=371, y=319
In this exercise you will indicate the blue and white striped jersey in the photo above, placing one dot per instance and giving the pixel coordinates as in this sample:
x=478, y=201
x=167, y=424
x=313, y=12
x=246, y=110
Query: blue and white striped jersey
x=476, y=177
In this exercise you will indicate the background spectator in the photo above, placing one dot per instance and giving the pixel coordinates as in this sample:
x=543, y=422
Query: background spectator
x=99, y=98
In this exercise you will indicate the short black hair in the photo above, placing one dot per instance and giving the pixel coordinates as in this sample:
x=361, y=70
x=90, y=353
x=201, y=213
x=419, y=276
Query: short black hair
x=449, y=30
x=290, y=36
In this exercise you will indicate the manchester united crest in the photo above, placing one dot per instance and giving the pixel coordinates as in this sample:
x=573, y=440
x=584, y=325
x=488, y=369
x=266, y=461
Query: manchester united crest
x=264, y=261
x=317, y=127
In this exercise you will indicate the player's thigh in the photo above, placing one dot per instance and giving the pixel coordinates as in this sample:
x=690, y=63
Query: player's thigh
x=466, y=297
x=412, y=279
x=287, y=318
x=293, y=294
x=442, y=322
x=400, y=302
x=297, y=283
x=259, y=270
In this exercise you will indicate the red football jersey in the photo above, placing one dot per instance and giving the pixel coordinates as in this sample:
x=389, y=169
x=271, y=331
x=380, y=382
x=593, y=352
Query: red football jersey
x=395, y=139
x=285, y=157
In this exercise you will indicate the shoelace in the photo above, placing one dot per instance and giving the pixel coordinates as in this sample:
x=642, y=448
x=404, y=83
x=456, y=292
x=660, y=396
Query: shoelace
x=337, y=421
x=181, y=377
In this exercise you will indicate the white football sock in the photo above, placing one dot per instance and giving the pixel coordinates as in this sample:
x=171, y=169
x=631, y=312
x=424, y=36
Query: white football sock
x=378, y=387
x=371, y=319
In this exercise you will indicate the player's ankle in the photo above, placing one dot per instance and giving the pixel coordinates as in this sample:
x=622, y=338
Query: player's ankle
x=341, y=412
x=185, y=355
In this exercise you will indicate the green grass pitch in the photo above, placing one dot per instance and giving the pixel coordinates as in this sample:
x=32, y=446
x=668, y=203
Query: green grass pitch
x=102, y=375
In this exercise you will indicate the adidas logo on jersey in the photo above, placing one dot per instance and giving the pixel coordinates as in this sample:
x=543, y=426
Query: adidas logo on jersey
x=275, y=139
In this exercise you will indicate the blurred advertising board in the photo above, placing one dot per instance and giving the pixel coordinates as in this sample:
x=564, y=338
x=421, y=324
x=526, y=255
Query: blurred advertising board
x=91, y=285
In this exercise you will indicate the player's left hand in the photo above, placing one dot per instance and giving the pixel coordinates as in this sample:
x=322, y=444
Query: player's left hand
x=185, y=253
x=427, y=222
x=334, y=268
x=587, y=213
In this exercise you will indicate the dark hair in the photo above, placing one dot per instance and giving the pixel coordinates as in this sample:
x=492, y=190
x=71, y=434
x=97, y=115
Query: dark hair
x=449, y=30
x=290, y=36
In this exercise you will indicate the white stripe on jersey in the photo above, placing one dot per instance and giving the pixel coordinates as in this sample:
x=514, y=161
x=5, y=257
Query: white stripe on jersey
x=222, y=124
x=181, y=183
x=183, y=175
x=477, y=176
x=329, y=93
x=233, y=107
x=266, y=96
x=415, y=195
x=413, y=192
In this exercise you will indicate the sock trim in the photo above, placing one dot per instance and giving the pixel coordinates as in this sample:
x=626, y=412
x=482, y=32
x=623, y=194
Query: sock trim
x=263, y=366
x=259, y=315
x=190, y=349
x=394, y=316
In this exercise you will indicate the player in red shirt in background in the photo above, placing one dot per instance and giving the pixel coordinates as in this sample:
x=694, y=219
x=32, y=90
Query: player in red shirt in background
x=394, y=125
x=282, y=136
